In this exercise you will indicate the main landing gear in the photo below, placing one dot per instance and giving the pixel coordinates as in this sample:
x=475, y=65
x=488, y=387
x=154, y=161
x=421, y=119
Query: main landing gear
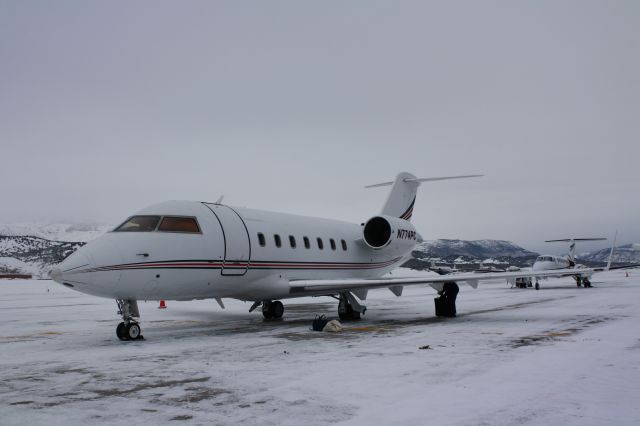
x=349, y=308
x=128, y=329
x=272, y=309
x=583, y=281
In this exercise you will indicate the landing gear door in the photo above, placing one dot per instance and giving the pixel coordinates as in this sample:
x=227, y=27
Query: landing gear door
x=236, y=240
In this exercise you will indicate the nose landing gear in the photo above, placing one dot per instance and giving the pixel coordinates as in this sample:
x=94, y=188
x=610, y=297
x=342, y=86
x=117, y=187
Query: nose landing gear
x=128, y=329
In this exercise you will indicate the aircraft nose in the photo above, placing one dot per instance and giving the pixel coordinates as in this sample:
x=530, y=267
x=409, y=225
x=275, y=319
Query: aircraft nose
x=72, y=268
x=56, y=275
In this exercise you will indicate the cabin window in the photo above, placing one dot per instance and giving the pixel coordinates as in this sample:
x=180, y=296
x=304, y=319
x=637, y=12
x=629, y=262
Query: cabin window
x=333, y=243
x=179, y=224
x=276, y=239
x=139, y=224
x=344, y=245
x=261, y=239
x=292, y=241
x=320, y=245
x=307, y=245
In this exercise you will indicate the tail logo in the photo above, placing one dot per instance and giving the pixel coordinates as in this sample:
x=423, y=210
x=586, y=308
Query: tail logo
x=407, y=214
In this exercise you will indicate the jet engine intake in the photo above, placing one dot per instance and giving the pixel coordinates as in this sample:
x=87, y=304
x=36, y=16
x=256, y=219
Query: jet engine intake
x=383, y=231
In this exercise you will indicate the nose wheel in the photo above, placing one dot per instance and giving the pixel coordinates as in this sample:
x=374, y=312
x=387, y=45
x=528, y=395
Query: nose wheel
x=128, y=329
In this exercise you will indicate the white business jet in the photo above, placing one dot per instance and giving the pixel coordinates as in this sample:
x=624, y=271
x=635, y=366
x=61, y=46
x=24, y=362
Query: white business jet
x=184, y=250
x=550, y=262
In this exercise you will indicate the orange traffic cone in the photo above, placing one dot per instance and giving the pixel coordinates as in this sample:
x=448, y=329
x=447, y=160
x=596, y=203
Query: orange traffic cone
x=162, y=305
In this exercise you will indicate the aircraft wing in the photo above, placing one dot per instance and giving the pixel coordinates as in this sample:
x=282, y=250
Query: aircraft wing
x=612, y=268
x=334, y=286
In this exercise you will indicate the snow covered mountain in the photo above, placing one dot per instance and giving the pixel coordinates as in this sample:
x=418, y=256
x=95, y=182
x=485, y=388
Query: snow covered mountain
x=55, y=231
x=629, y=253
x=479, y=249
x=34, y=249
x=33, y=255
x=470, y=252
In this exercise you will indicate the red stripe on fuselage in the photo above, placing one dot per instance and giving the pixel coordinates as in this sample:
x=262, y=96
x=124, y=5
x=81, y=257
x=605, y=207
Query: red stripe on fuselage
x=248, y=264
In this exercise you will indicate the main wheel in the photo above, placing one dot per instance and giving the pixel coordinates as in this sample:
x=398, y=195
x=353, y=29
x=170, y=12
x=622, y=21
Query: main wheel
x=133, y=331
x=120, y=331
x=267, y=310
x=277, y=308
x=344, y=311
x=537, y=286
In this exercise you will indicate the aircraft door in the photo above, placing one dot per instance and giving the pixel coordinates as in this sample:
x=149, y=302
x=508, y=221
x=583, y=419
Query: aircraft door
x=236, y=240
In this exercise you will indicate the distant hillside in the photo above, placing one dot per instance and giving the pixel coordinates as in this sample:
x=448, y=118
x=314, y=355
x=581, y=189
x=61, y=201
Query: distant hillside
x=629, y=253
x=470, y=254
x=478, y=249
x=55, y=231
x=35, y=248
x=33, y=255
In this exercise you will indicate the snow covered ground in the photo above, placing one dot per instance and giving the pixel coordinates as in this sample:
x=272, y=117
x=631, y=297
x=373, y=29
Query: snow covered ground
x=561, y=355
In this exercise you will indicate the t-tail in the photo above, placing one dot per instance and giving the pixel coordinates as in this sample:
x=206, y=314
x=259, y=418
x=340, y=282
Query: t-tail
x=402, y=197
x=572, y=246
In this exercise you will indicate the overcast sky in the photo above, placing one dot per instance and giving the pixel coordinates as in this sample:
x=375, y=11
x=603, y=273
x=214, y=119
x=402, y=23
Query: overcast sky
x=106, y=107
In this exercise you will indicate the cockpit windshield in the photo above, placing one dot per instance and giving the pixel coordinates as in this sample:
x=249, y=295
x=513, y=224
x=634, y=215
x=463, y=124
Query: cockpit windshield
x=139, y=224
x=544, y=259
x=179, y=224
x=184, y=224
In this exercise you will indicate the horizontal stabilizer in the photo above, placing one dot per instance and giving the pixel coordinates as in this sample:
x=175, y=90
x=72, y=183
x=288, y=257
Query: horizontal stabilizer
x=431, y=179
x=568, y=240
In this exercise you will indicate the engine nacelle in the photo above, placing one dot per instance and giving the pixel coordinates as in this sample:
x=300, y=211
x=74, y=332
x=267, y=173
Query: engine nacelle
x=382, y=232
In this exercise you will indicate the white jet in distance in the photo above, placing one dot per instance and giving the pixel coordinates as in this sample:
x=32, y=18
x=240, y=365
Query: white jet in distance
x=551, y=262
x=184, y=250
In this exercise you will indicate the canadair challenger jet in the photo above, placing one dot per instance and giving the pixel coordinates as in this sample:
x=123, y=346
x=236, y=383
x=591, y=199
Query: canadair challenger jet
x=184, y=250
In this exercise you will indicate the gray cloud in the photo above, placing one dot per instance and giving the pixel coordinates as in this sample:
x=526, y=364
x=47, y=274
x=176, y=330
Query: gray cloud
x=294, y=106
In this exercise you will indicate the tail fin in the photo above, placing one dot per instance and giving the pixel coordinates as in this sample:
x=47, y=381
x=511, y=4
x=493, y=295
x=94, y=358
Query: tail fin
x=572, y=245
x=402, y=197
